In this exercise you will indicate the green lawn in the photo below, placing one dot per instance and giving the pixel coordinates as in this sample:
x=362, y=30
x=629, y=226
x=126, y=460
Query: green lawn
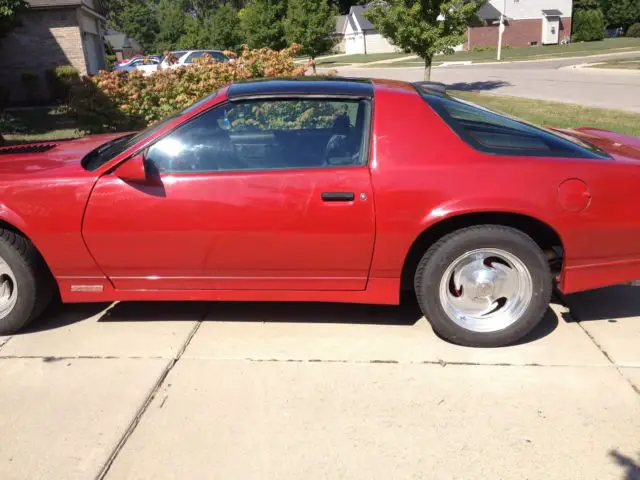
x=625, y=64
x=360, y=58
x=37, y=124
x=533, y=53
x=557, y=114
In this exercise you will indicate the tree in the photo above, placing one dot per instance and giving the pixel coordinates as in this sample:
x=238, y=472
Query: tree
x=171, y=18
x=622, y=13
x=224, y=26
x=138, y=20
x=586, y=5
x=196, y=34
x=9, y=13
x=262, y=26
x=588, y=25
x=311, y=23
x=424, y=27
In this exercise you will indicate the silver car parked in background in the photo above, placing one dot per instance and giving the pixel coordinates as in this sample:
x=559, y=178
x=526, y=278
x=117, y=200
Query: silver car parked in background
x=187, y=57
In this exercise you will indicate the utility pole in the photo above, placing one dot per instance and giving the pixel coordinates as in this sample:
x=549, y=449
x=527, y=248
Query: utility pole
x=501, y=29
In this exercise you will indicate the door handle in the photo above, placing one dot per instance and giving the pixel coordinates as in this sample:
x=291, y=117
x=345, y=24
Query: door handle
x=338, y=196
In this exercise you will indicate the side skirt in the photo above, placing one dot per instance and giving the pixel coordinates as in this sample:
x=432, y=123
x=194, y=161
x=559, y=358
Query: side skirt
x=382, y=291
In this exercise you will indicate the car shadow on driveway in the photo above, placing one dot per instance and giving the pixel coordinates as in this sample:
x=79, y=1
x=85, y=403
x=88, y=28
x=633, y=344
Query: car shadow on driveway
x=606, y=304
x=406, y=314
x=631, y=467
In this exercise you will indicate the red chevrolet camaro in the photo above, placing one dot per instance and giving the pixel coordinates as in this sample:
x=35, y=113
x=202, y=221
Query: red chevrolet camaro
x=334, y=190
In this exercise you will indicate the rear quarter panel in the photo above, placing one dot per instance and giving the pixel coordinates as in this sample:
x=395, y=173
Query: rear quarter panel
x=423, y=173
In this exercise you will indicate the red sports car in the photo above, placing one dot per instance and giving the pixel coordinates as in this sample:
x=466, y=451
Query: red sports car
x=336, y=190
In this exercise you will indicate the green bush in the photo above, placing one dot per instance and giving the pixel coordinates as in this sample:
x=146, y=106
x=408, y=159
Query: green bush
x=124, y=101
x=634, y=30
x=111, y=61
x=60, y=81
x=588, y=25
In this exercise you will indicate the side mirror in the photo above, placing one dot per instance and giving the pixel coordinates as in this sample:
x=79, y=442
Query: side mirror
x=133, y=170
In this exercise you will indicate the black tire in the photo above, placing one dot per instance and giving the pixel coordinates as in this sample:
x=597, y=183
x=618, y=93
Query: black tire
x=443, y=253
x=35, y=287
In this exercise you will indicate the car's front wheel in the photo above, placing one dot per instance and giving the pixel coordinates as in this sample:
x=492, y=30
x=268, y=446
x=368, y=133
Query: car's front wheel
x=26, y=287
x=484, y=286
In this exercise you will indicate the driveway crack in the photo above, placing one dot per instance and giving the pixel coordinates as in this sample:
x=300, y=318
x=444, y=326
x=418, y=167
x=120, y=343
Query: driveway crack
x=147, y=401
x=604, y=352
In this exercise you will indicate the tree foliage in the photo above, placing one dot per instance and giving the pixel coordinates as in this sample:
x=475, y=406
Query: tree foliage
x=138, y=21
x=634, y=30
x=622, y=13
x=225, y=29
x=172, y=23
x=586, y=4
x=310, y=23
x=161, y=25
x=9, y=14
x=424, y=27
x=588, y=25
x=262, y=25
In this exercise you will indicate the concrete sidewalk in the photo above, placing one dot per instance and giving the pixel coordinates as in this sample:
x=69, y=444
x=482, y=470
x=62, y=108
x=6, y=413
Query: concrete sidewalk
x=181, y=390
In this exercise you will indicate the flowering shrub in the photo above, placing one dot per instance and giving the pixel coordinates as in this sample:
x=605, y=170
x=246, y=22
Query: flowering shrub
x=120, y=100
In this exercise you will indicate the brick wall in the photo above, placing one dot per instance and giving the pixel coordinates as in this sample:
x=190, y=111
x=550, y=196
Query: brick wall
x=518, y=33
x=46, y=39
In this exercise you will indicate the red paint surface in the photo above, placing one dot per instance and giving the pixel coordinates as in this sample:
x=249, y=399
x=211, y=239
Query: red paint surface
x=574, y=195
x=268, y=235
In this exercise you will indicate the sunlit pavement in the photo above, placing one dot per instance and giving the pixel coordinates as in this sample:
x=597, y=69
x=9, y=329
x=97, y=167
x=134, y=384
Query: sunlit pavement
x=243, y=391
x=544, y=80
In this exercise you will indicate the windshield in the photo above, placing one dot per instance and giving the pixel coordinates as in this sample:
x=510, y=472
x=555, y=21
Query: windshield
x=105, y=152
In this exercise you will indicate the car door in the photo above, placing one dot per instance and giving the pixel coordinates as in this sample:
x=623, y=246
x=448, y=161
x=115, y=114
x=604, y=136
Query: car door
x=261, y=194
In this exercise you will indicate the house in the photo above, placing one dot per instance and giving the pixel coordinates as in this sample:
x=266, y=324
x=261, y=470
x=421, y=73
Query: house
x=360, y=36
x=338, y=34
x=123, y=46
x=527, y=22
x=52, y=33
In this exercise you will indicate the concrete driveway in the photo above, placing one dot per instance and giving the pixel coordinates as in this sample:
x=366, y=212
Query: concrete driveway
x=544, y=79
x=293, y=391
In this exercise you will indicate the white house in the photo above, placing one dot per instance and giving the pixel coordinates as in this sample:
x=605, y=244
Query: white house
x=360, y=36
x=528, y=22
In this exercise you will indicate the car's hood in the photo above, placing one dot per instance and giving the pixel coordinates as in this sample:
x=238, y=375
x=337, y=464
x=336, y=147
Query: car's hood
x=44, y=157
x=619, y=146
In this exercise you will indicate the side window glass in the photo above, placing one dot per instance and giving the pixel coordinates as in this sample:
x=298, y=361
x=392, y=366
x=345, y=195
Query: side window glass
x=265, y=135
x=491, y=132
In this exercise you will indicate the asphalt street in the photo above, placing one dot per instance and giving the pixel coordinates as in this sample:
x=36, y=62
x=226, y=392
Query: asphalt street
x=545, y=80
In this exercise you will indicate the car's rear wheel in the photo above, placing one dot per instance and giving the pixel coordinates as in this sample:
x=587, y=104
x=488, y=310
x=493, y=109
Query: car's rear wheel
x=26, y=287
x=484, y=286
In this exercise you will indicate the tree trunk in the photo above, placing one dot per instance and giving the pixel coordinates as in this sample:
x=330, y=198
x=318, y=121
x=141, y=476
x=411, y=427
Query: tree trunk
x=313, y=65
x=427, y=69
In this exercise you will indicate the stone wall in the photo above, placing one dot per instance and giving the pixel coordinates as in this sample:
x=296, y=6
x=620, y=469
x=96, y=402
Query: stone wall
x=44, y=40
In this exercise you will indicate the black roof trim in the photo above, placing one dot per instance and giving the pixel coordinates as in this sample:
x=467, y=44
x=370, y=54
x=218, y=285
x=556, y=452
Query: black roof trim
x=303, y=86
x=430, y=87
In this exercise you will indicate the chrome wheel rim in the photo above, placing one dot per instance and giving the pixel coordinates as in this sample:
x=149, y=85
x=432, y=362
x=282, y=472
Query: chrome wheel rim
x=8, y=289
x=486, y=290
